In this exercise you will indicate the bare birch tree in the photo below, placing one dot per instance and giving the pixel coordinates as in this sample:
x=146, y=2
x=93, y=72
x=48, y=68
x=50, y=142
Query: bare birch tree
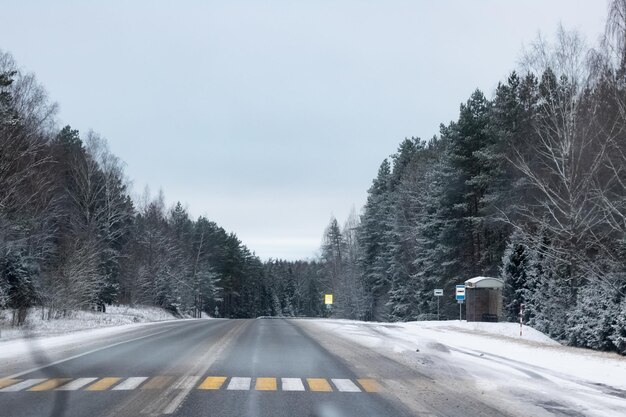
x=575, y=166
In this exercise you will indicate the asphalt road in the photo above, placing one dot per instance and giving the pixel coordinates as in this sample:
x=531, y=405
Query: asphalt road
x=263, y=367
x=230, y=368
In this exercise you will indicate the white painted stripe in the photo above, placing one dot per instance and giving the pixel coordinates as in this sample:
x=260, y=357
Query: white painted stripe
x=23, y=385
x=89, y=352
x=186, y=382
x=292, y=384
x=345, y=385
x=76, y=384
x=130, y=383
x=241, y=384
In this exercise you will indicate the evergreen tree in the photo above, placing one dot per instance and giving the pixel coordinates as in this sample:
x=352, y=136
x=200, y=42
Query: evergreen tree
x=618, y=337
x=374, y=235
x=516, y=274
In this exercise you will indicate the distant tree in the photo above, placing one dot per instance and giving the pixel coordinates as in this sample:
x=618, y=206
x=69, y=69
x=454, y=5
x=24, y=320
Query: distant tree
x=351, y=294
x=333, y=255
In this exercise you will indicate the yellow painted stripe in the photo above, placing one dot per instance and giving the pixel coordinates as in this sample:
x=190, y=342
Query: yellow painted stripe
x=265, y=384
x=103, y=384
x=319, y=384
x=5, y=382
x=213, y=382
x=50, y=384
x=369, y=385
x=158, y=382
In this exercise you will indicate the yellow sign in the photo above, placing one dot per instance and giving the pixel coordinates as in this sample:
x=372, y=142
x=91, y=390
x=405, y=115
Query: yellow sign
x=328, y=298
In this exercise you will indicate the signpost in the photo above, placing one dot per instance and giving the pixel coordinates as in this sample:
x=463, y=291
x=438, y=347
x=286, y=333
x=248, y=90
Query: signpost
x=438, y=293
x=460, y=297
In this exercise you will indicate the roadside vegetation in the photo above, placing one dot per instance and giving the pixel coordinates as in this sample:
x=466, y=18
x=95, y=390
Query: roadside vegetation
x=37, y=325
x=528, y=185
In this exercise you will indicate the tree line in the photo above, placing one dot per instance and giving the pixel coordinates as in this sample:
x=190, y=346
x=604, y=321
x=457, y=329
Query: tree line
x=528, y=185
x=71, y=236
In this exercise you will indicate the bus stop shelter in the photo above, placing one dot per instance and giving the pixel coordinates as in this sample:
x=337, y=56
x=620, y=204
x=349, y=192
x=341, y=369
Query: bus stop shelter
x=483, y=299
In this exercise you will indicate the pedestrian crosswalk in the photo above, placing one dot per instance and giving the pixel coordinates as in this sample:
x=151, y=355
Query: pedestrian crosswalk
x=130, y=383
x=203, y=383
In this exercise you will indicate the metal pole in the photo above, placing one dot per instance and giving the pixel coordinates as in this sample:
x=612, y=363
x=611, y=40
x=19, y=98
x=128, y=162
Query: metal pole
x=460, y=314
x=438, y=308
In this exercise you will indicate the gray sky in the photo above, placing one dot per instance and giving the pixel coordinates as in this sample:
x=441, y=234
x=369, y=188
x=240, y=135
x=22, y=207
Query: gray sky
x=269, y=116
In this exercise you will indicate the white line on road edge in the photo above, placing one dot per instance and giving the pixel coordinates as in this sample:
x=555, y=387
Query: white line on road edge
x=22, y=385
x=130, y=383
x=89, y=352
x=76, y=384
x=345, y=385
x=239, y=384
x=292, y=384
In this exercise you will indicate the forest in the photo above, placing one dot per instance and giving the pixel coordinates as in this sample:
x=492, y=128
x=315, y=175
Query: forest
x=528, y=185
x=72, y=237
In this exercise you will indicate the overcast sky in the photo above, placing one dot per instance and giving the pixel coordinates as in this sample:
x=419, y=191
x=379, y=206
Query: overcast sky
x=269, y=116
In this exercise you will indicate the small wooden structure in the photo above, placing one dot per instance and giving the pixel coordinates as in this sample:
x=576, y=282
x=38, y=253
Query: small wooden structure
x=483, y=299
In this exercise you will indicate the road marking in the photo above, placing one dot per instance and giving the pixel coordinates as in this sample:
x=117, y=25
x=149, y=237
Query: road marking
x=187, y=382
x=319, y=385
x=23, y=385
x=76, y=384
x=169, y=406
x=89, y=352
x=130, y=383
x=103, y=384
x=5, y=382
x=158, y=382
x=265, y=384
x=50, y=384
x=239, y=384
x=213, y=382
x=345, y=385
x=369, y=385
x=292, y=384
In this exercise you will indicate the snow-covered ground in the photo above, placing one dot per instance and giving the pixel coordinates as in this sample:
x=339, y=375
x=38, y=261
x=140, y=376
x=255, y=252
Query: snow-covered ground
x=494, y=359
x=79, y=320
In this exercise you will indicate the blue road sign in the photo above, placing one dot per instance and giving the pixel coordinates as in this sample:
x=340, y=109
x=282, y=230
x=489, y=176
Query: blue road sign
x=460, y=292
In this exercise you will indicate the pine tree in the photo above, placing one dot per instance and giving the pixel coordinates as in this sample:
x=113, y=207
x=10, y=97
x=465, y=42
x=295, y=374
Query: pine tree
x=516, y=273
x=469, y=138
x=593, y=322
x=333, y=254
x=618, y=337
x=374, y=235
x=401, y=303
x=351, y=303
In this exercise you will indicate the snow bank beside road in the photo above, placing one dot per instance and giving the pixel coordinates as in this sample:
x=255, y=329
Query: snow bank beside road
x=79, y=320
x=499, y=330
x=487, y=362
x=488, y=345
